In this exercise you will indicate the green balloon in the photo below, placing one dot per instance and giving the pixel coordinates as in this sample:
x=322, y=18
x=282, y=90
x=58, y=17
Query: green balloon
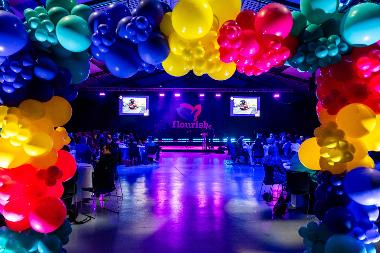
x=321, y=52
x=29, y=13
x=312, y=32
x=49, y=26
x=43, y=16
x=57, y=13
x=82, y=11
x=332, y=26
x=40, y=9
x=41, y=35
x=333, y=50
x=73, y=33
x=34, y=22
x=52, y=38
x=319, y=11
x=61, y=52
x=299, y=23
x=67, y=4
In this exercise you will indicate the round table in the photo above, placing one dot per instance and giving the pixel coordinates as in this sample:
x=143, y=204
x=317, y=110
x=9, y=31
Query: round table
x=85, y=171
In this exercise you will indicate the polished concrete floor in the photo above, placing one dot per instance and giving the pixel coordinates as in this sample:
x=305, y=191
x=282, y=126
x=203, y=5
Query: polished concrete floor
x=190, y=202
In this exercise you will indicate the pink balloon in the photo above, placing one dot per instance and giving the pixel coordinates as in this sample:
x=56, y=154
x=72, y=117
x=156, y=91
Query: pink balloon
x=274, y=19
x=47, y=214
x=16, y=210
x=249, y=44
x=228, y=55
x=246, y=19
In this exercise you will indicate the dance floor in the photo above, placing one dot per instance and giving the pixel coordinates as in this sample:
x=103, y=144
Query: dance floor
x=189, y=203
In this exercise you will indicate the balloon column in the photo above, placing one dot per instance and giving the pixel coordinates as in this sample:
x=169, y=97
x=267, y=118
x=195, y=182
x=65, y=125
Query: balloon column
x=342, y=49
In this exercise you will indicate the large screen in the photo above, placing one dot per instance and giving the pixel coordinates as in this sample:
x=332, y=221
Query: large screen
x=245, y=106
x=134, y=105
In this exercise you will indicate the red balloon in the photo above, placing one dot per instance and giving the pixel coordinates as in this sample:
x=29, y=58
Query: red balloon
x=249, y=45
x=66, y=162
x=56, y=190
x=274, y=19
x=246, y=19
x=291, y=43
x=47, y=214
x=16, y=210
x=18, y=226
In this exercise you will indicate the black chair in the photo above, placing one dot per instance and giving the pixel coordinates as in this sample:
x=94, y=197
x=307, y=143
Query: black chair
x=298, y=183
x=273, y=176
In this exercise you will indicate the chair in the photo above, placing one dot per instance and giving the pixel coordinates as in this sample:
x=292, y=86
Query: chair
x=272, y=176
x=298, y=183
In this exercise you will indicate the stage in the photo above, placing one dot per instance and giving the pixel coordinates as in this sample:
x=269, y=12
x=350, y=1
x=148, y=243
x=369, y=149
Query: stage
x=198, y=149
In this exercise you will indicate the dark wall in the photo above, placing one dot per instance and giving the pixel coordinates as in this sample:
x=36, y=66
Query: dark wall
x=292, y=113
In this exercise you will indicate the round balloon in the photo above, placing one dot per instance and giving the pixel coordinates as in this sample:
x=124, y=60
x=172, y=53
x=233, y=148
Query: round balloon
x=274, y=19
x=39, y=144
x=12, y=33
x=319, y=11
x=151, y=9
x=67, y=4
x=356, y=120
x=155, y=50
x=309, y=154
x=73, y=33
x=192, y=19
x=225, y=10
x=67, y=164
x=47, y=214
x=175, y=65
x=82, y=11
x=226, y=71
x=361, y=24
x=166, y=26
x=58, y=110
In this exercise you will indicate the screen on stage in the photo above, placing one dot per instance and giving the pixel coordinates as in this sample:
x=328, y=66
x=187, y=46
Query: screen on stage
x=245, y=106
x=134, y=105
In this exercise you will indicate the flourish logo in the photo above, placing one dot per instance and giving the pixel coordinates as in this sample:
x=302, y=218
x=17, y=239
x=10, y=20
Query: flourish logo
x=189, y=112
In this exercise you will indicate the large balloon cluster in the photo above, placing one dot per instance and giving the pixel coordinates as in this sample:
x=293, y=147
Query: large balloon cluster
x=258, y=42
x=192, y=29
x=128, y=43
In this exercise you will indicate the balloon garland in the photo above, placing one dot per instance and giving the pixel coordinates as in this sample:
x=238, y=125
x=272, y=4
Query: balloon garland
x=42, y=59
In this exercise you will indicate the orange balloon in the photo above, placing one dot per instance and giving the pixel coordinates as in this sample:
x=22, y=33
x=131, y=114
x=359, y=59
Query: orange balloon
x=309, y=154
x=45, y=161
x=60, y=138
x=325, y=117
x=39, y=144
x=58, y=110
x=32, y=109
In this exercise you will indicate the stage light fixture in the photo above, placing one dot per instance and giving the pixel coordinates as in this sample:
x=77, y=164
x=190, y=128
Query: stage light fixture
x=218, y=95
x=102, y=94
x=201, y=94
x=276, y=95
x=177, y=94
x=162, y=95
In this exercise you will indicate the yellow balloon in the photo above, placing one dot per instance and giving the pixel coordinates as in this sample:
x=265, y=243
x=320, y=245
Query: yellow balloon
x=10, y=129
x=60, y=138
x=325, y=117
x=42, y=125
x=32, y=109
x=175, y=65
x=356, y=120
x=225, y=10
x=39, y=144
x=309, y=154
x=367, y=162
x=58, y=110
x=336, y=168
x=227, y=70
x=372, y=140
x=3, y=114
x=166, y=26
x=45, y=161
x=10, y=156
x=192, y=19
x=177, y=44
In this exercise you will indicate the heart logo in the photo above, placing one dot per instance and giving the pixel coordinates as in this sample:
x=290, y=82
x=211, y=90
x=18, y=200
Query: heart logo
x=189, y=112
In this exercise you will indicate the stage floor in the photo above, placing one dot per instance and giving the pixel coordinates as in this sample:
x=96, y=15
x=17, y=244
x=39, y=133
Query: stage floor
x=187, y=149
x=189, y=203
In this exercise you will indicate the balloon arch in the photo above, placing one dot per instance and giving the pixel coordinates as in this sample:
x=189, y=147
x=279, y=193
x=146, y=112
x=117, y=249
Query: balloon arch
x=46, y=55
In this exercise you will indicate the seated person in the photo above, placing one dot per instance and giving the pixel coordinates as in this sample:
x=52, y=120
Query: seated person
x=152, y=148
x=104, y=173
x=83, y=152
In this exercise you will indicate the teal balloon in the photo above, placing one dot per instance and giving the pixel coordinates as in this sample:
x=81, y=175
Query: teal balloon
x=29, y=13
x=344, y=243
x=34, y=22
x=61, y=52
x=73, y=33
x=299, y=23
x=82, y=11
x=67, y=4
x=49, y=244
x=57, y=13
x=312, y=32
x=40, y=9
x=321, y=52
x=319, y=11
x=343, y=48
x=49, y=26
x=361, y=25
x=41, y=35
x=332, y=26
x=78, y=67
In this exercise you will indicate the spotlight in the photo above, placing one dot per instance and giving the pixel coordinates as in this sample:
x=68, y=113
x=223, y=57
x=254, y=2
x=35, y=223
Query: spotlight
x=177, y=94
x=120, y=97
x=162, y=95
x=201, y=94
x=218, y=95
x=102, y=94
x=276, y=95
x=232, y=98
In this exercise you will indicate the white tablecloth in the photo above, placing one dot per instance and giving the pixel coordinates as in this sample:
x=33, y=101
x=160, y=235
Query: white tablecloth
x=85, y=171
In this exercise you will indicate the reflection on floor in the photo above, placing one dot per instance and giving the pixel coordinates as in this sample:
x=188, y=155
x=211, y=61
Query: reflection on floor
x=190, y=202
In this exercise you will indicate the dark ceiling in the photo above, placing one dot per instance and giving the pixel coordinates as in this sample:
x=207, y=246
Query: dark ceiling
x=283, y=79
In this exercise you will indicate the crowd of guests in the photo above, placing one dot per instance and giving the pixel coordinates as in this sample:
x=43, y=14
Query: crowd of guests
x=125, y=148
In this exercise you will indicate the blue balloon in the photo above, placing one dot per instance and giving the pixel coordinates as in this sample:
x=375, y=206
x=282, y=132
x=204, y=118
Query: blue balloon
x=8, y=87
x=361, y=25
x=165, y=7
x=344, y=243
x=339, y=220
x=155, y=50
x=12, y=33
x=70, y=93
x=40, y=90
x=121, y=29
x=96, y=53
x=49, y=244
x=45, y=68
x=97, y=18
x=117, y=11
x=122, y=60
x=151, y=9
x=363, y=186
